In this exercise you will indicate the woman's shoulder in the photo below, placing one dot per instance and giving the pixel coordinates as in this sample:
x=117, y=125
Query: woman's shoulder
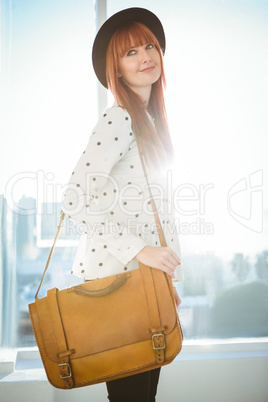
x=116, y=112
x=115, y=122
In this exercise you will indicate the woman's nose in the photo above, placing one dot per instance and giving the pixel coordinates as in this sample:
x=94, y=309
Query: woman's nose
x=145, y=56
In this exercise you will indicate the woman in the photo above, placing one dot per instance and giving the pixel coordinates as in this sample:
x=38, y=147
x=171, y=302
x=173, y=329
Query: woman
x=107, y=195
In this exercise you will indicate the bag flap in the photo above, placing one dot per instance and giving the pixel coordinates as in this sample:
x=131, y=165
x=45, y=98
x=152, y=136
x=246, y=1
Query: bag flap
x=46, y=328
x=96, y=324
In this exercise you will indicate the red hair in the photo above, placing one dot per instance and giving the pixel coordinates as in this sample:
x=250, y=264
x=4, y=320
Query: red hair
x=162, y=151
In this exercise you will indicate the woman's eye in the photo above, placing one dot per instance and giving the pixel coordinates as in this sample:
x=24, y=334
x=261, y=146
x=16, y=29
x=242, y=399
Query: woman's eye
x=150, y=46
x=131, y=52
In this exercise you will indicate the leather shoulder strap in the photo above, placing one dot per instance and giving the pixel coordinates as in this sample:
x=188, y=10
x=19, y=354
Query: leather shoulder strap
x=62, y=216
x=156, y=216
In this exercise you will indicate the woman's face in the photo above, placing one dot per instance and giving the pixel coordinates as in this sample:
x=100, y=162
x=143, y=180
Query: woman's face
x=140, y=67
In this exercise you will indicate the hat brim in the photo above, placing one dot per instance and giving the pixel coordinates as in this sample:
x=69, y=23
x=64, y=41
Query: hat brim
x=107, y=30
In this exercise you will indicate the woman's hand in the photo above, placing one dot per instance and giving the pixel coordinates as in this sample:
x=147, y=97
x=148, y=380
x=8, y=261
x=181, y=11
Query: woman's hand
x=176, y=297
x=163, y=258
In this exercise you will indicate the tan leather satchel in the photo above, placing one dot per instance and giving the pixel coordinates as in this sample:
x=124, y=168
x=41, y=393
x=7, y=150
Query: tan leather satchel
x=108, y=328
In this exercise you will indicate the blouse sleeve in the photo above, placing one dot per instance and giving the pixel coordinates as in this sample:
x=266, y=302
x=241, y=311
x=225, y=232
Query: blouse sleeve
x=85, y=200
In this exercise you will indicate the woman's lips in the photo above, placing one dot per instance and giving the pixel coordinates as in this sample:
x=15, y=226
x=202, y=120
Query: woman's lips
x=147, y=69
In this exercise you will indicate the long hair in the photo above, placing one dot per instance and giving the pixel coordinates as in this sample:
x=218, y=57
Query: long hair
x=154, y=139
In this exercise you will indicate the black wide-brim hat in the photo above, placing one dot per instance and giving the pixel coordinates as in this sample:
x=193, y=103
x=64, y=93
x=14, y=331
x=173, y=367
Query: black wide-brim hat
x=110, y=26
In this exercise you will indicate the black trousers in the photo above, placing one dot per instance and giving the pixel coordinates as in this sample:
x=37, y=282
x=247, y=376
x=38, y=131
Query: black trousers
x=135, y=388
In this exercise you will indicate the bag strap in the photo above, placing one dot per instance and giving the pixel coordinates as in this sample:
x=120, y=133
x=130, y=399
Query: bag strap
x=62, y=216
x=156, y=217
x=157, y=329
x=64, y=353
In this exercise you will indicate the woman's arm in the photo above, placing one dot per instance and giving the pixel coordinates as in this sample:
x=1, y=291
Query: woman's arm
x=163, y=258
x=84, y=200
x=94, y=210
x=176, y=297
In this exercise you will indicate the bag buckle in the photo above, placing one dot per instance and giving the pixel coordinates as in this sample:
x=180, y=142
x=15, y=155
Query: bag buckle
x=158, y=347
x=69, y=368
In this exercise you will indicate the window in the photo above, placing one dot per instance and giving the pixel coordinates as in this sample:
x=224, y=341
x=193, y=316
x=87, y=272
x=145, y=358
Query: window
x=49, y=92
x=217, y=102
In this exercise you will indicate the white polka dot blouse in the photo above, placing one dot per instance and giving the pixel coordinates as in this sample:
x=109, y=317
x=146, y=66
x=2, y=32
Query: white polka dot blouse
x=108, y=200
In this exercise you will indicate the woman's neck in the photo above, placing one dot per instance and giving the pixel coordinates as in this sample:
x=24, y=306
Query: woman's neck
x=144, y=93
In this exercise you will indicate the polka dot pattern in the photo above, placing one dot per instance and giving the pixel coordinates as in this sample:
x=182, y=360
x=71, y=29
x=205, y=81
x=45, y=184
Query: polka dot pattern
x=112, y=145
